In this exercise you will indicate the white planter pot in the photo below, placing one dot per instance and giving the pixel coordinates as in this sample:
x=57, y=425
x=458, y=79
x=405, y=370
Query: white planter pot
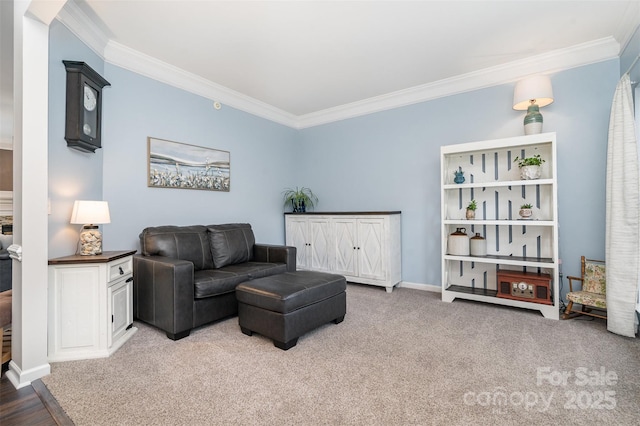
x=529, y=172
x=525, y=213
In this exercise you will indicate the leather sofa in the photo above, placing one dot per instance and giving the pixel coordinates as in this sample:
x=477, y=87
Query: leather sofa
x=5, y=263
x=186, y=276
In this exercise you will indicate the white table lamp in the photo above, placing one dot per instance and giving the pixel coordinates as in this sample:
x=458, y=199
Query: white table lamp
x=90, y=214
x=531, y=94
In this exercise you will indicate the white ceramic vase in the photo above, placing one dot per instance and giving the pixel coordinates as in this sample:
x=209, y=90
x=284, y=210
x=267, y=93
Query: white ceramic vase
x=458, y=243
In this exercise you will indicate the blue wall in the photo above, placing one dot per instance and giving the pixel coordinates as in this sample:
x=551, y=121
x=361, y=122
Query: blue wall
x=73, y=175
x=383, y=161
x=391, y=161
x=262, y=157
x=629, y=55
x=134, y=107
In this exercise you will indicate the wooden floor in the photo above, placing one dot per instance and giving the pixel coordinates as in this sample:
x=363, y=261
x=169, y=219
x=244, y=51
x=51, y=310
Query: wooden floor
x=31, y=405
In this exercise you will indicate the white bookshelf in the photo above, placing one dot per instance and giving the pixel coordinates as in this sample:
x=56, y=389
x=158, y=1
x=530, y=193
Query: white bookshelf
x=492, y=178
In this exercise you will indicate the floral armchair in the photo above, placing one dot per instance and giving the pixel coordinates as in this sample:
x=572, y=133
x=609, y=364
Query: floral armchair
x=594, y=291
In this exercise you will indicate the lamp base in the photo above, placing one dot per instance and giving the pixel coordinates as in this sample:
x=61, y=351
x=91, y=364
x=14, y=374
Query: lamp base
x=532, y=128
x=90, y=241
x=533, y=120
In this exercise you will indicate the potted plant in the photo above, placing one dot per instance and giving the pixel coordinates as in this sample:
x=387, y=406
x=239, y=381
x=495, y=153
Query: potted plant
x=529, y=167
x=525, y=211
x=299, y=199
x=471, y=210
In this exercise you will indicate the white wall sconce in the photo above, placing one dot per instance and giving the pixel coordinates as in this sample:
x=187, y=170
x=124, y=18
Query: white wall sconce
x=531, y=94
x=90, y=214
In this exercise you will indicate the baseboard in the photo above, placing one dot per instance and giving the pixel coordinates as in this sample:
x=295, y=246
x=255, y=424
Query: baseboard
x=20, y=378
x=420, y=286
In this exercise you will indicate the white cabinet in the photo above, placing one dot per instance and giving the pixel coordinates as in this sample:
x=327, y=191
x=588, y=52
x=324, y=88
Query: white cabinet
x=90, y=305
x=311, y=237
x=513, y=244
x=363, y=246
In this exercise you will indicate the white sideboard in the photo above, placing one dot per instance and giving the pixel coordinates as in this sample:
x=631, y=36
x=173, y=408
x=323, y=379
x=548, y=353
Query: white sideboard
x=365, y=247
x=90, y=305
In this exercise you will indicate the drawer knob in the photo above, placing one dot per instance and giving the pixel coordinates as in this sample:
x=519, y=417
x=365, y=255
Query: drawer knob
x=120, y=269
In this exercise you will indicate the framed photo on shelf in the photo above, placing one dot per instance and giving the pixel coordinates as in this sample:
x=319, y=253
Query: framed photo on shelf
x=178, y=165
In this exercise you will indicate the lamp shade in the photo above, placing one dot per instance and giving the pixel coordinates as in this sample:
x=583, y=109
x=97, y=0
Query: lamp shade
x=536, y=89
x=90, y=212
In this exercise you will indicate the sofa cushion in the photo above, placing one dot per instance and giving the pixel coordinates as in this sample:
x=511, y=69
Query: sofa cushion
x=179, y=242
x=257, y=269
x=5, y=241
x=231, y=243
x=214, y=282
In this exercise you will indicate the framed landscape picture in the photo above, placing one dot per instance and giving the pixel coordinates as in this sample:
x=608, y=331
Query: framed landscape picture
x=178, y=165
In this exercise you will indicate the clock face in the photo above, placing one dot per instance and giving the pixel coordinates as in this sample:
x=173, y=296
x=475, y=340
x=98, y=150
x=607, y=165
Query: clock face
x=90, y=99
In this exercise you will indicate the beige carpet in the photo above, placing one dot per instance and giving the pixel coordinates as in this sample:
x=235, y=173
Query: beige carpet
x=404, y=358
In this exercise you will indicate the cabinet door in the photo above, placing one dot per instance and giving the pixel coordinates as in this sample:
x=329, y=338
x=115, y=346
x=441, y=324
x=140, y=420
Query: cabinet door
x=320, y=243
x=74, y=312
x=371, y=243
x=297, y=236
x=345, y=246
x=120, y=316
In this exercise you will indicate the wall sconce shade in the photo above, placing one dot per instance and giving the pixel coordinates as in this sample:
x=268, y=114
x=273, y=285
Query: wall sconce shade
x=531, y=94
x=90, y=214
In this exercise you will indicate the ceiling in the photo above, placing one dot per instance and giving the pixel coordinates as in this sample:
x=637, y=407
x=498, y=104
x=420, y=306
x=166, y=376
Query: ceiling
x=306, y=62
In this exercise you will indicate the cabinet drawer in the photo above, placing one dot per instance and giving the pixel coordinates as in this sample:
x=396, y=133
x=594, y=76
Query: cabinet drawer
x=119, y=268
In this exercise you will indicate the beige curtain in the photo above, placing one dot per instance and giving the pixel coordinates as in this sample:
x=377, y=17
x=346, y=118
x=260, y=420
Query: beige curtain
x=622, y=214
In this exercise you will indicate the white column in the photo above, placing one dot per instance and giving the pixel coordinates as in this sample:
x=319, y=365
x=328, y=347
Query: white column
x=30, y=188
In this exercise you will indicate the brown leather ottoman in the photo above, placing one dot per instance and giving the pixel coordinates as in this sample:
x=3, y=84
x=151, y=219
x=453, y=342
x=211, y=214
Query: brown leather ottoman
x=284, y=307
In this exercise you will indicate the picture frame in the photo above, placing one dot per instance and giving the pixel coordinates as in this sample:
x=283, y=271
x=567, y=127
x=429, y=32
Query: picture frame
x=184, y=166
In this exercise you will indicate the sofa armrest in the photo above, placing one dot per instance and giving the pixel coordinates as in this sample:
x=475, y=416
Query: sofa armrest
x=276, y=254
x=163, y=292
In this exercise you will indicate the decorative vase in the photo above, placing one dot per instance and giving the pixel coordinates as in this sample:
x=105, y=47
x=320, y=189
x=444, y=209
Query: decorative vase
x=458, y=243
x=525, y=213
x=478, y=245
x=471, y=214
x=459, y=176
x=530, y=172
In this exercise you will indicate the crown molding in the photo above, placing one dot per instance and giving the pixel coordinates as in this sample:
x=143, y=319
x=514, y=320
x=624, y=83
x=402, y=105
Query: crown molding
x=547, y=63
x=132, y=60
x=72, y=17
x=117, y=54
